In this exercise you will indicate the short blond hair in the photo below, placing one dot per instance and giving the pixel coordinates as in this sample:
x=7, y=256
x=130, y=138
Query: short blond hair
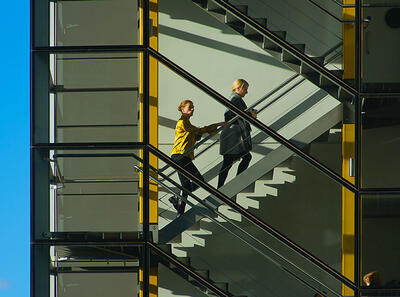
x=239, y=84
x=183, y=103
x=372, y=279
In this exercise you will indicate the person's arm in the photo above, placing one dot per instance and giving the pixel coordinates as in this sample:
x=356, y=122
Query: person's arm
x=211, y=129
x=188, y=127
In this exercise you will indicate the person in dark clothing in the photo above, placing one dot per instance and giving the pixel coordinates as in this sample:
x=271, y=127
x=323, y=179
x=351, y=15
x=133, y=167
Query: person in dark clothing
x=235, y=139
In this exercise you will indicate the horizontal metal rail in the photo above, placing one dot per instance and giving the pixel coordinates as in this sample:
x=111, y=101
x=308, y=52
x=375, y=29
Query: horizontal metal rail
x=89, y=145
x=373, y=191
x=88, y=49
x=335, y=17
x=264, y=226
x=93, y=270
x=61, y=89
x=221, y=99
x=367, y=4
x=284, y=44
x=96, y=126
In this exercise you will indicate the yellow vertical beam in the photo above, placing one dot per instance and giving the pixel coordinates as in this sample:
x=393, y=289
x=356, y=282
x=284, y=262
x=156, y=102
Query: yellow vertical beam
x=349, y=44
x=153, y=282
x=153, y=133
x=348, y=151
x=153, y=94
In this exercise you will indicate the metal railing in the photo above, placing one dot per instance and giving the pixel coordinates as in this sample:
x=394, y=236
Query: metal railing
x=256, y=103
x=259, y=223
x=261, y=126
x=285, y=45
x=217, y=213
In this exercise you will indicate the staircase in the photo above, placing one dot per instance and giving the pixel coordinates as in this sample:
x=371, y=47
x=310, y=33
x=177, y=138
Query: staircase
x=251, y=197
x=304, y=121
x=195, y=241
x=274, y=42
x=204, y=273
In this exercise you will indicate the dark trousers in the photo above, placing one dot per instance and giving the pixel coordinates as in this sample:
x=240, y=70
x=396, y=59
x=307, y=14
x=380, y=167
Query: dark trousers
x=227, y=164
x=187, y=163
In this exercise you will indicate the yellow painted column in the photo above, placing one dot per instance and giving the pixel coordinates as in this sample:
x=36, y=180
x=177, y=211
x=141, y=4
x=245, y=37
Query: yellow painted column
x=348, y=151
x=153, y=133
x=153, y=88
x=349, y=44
x=153, y=282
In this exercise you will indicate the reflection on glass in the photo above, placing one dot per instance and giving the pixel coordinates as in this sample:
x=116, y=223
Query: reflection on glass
x=94, y=191
x=380, y=142
x=96, y=22
x=381, y=46
x=95, y=270
x=94, y=98
x=380, y=245
x=297, y=200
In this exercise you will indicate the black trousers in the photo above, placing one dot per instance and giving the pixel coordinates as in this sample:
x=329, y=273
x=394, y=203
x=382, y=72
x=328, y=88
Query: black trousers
x=187, y=163
x=227, y=164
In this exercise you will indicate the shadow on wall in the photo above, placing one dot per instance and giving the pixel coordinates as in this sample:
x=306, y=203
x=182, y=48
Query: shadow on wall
x=211, y=43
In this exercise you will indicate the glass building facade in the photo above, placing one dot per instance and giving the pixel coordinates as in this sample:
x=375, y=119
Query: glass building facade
x=104, y=75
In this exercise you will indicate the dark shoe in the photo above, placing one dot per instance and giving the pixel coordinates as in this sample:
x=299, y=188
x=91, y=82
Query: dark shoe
x=181, y=209
x=175, y=202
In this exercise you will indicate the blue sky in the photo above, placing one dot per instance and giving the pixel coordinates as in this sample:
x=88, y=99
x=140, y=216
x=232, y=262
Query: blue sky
x=14, y=149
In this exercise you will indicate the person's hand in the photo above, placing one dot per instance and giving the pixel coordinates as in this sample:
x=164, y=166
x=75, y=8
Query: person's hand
x=221, y=124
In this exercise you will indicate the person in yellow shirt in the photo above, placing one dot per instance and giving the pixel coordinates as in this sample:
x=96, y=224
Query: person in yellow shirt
x=186, y=136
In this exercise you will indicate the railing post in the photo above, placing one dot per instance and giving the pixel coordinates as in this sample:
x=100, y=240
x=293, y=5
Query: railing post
x=358, y=202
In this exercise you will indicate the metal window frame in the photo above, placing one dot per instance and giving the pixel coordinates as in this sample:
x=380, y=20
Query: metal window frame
x=40, y=49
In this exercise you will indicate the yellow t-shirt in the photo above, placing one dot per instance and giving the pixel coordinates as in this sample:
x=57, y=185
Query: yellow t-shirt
x=186, y=136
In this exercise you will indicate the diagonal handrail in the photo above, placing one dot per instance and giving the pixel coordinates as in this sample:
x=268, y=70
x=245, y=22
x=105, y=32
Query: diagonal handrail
x=259, y=101
x=215, y=211
x=260, y=223
x=188, y=271
x=279, y=138
x=262, y=99
x=284, y=44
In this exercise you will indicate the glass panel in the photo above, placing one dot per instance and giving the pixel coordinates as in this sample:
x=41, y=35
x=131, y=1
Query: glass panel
x=94, y=98
x=94, y=191
x=291, y=199
x=301, y=111
x=80, y=70
x=237, y=266
x=174, y=282
x=95, y=22
x=380, y=222
x=94, y=270
x=96, y=117
x=381, y=46
x=296, y=200
x=380, y=145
